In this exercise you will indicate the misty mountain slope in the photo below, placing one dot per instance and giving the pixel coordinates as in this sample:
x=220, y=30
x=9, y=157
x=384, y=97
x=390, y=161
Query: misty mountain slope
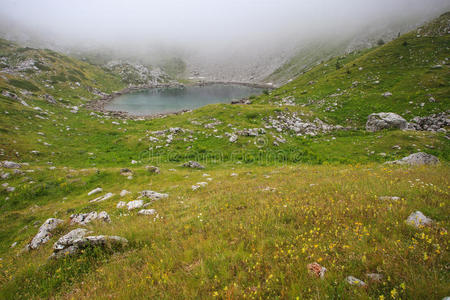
x=29, y=72
x=414, y=68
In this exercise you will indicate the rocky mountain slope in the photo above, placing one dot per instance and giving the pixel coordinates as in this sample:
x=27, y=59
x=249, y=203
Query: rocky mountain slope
x=284, y=195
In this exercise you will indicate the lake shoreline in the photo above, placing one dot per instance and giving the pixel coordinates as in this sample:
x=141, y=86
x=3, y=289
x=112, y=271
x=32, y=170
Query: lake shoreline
x=99, y=105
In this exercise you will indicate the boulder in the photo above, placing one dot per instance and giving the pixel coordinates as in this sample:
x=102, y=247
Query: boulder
x=74, y=242
x=418, y=219
x=416, y=159
x=102, y=198
x=153, y=169
x=10, y=165
x=123, y=193
x=380, y=121
x=147, y=212
x=121, y=204
x=69, y=238
x=44, y=233
x=193, y=165
x=355, y=281
x=135, y=204
x=83, y=219
x=153, y=195
x=95, y=191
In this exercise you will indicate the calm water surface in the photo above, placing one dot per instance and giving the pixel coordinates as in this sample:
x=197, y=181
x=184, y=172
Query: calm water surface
x=165, y=100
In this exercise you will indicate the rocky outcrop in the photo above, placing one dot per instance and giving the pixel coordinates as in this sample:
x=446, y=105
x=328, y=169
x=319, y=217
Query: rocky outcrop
x=44, y=234
x=435, y=122
x=193, y=165
x=380, y=121
x=291, y=122
x=153, y=195
x=10, y=165
x=75, y=241
x=416, y=159
x=83, y=219
x=418, y=219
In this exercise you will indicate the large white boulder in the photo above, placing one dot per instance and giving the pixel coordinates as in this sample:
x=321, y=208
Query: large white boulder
x=380, y=121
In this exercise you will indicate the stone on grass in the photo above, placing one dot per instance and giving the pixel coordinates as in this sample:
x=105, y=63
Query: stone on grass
x=10, y=165
x=135, y=204
x=355, y=281
x=123, y=193
x=418, y=219
x=95, y=191
x=76, y=242
x=44, y=233
x=121, y=204
x=380, y=121
x=153, y=169
x=416, y=159
x=147, y=212
x=154, y=195
x=102, y=198
x=389, y=198
x=83, y=219
x=69, y=238
x=193, y=165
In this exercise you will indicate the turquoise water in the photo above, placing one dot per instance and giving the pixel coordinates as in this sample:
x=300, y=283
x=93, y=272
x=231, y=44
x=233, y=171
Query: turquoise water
x=165, y=100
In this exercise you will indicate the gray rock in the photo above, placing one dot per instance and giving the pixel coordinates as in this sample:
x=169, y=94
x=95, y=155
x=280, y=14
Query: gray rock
x=193, y=165
x=135, y=204
x=10, y=165
x=154, y=195
x=380, y=121
x=355, y=281
x=153, y=169
x=95, y=191
x=83, y=219
x=68, y=239
x=418, y=219
x=147, y=212
x=73, y=244
x=417, y=159
x=102, y=198
x=44, y=233
x=121, y=204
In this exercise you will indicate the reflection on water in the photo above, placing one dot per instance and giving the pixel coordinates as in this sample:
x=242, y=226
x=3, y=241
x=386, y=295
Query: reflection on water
x=166, y=100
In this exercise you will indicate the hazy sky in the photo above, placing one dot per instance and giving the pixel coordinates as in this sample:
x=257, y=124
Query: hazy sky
x=200, y=24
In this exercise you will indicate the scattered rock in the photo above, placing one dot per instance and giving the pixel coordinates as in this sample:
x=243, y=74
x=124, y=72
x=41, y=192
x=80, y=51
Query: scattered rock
x=380, y=121
x=121, y=204
x=418, y=219
x=316, y=270
x=10, y=165
x=102, y=198
x=193, y=165
x=83, y=219
x=135, y=204
x=126, y=172
x=153, y=169
x=95, y=191
x=44, y=233
x=147, y=212
x=389, y=198
x=386, y=94
x=433, y=123
x=355, y=281
x=74, y=242
x=154, y=195
x=123, y=193
x=417, y=159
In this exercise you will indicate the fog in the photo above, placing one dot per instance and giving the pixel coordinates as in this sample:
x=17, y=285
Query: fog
x=201, y=28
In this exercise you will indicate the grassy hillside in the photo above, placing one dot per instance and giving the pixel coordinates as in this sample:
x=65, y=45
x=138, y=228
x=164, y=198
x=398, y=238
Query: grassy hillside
x=275, y=201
